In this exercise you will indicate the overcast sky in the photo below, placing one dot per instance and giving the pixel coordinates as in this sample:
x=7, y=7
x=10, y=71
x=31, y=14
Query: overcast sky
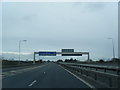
x=53, y=26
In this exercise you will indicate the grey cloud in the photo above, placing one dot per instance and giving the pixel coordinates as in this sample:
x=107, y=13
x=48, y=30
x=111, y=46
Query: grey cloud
x=29, y=16
x=90, y=6
x=96, y=6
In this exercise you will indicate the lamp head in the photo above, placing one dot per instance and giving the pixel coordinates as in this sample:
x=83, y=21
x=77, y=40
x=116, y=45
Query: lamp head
x=24, y=40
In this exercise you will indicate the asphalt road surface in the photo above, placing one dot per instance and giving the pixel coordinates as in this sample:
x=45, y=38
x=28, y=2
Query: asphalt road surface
x=50, y=75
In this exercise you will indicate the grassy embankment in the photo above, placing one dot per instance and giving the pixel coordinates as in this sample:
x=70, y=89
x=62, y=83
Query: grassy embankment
x=9, y=63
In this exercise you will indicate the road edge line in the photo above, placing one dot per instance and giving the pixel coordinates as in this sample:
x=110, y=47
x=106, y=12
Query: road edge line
x=91, y=86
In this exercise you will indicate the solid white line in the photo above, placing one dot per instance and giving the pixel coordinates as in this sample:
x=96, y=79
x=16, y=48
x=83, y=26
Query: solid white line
x=79, y=78
x=32, y=83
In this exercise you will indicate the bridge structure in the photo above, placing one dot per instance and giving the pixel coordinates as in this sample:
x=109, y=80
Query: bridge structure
x=64, y=52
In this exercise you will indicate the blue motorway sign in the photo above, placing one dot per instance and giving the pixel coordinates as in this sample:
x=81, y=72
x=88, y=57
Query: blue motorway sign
x=47, y=53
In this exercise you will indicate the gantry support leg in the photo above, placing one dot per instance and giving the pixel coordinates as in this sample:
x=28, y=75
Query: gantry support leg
x=88, y=56
x=34, y=58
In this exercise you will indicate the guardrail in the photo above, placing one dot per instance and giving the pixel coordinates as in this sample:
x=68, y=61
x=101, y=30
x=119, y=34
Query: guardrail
x=108, y=79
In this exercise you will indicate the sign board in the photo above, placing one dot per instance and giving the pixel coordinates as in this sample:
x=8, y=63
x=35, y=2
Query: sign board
x=67, y=50
x=71, y=54
x=47, y=53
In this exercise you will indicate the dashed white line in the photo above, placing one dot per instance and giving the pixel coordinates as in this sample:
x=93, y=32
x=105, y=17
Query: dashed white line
x=13, y=71
x=79, y=78
x=32, y=83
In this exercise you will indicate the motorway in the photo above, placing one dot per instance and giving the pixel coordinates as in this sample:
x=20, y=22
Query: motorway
x=50, y=75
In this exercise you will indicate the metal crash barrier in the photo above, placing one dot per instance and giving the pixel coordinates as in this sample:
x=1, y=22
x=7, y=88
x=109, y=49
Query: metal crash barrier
x=108, y=76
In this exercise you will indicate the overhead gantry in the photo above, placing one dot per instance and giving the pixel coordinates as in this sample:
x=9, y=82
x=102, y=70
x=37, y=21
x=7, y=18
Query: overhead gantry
x=64, y=52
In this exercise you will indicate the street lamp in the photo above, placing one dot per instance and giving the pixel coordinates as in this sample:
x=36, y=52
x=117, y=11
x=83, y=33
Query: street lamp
x=113, y=47
x=20, y=47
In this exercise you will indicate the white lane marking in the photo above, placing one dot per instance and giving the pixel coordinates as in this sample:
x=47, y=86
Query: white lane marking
x=79, y=78
x=32, y=83
x=13, y=71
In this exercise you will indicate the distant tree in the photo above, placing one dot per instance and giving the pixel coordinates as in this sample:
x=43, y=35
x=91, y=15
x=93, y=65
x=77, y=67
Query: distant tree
x=75, y=60
x=115, y=60
x=48, y=60
x=71, y=60
x=40, y=60
x=89, y=61
x=66, y=60
x=59, y=60
x=101, y=60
